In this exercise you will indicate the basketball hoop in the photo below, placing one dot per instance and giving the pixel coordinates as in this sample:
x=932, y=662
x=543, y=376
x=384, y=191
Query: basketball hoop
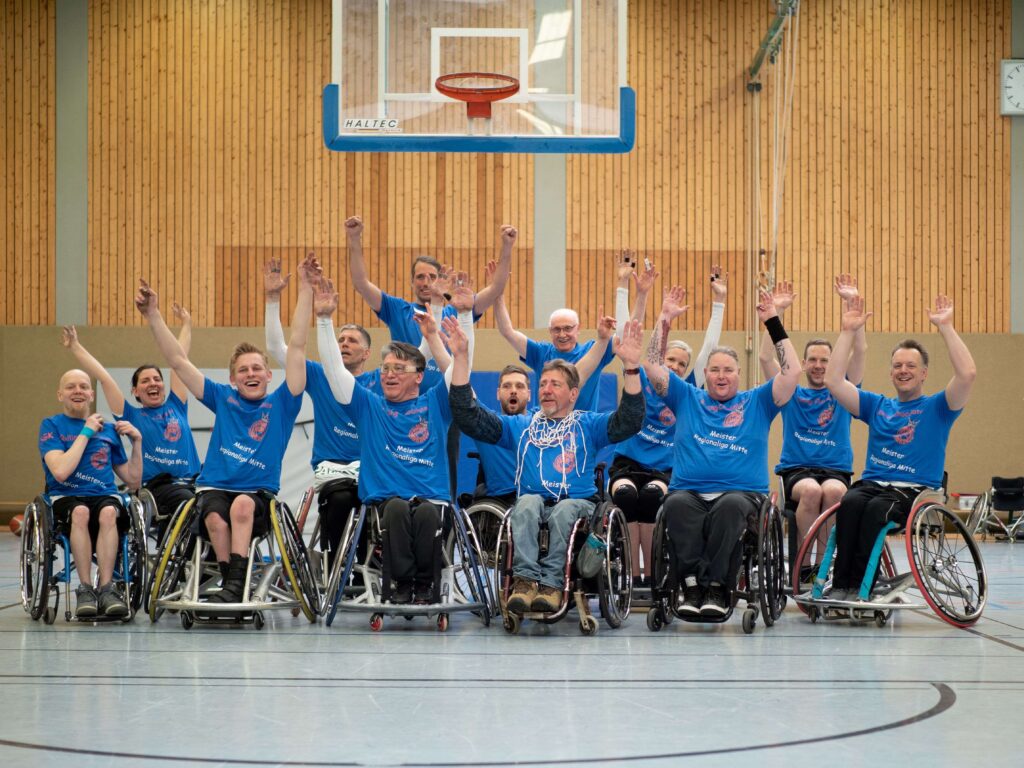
x=478, y=90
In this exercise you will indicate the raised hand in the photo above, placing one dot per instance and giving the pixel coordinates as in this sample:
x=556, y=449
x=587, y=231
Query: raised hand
x=489, y=270
x=425, y=320
x=181, y=314
x=353, y=227
x=454, y=337
x=146, y=298
x=69, y=336
x=719, y=283
x=783, y=296
x=765, y=306
x=129, y=430
x=943, y=312
x=672, y=304
x=274, y=282
x=626, y=263
x=325, y=298
x=846, y=286
x=441, y=288
x=309, y=270
x=462, y=294
x=854, y=316
x=94, y=421
x=509, y=235
x=605, y=325
x=630, y=347
x=645, y=280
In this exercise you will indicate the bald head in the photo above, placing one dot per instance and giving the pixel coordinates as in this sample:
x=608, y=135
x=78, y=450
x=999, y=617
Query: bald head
x=75, y=393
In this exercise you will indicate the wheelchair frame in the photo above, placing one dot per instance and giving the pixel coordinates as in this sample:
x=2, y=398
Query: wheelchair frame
x=39, y=542
x=612, y=586
x=460, y=582
x=184, y=574
x=984, y=520
x=760, y=581
x=936, y=570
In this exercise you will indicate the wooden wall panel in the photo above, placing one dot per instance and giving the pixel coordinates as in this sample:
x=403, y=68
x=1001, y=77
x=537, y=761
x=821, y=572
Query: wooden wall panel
x=28, y=149
x=898, y=163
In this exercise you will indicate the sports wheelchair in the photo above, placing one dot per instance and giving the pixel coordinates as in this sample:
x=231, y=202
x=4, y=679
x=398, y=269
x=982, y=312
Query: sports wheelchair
x=945, y=570
x=610, y=575
x=760, y=580
x=278, y=574
x=360, y=579
x=40, y=539
x=1005, y=495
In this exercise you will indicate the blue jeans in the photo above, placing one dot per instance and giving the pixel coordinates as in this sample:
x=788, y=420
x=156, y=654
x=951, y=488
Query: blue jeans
x=527, y=515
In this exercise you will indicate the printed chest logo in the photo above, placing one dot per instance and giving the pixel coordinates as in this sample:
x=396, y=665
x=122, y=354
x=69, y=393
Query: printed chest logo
x=905, y=434
x=420, y=432
x=667, y=417
x=826, y=416
x=565, y=462
x=101, y=458
x=734, y=419
x=45, y=436
x=259, y=428
x=172, y=431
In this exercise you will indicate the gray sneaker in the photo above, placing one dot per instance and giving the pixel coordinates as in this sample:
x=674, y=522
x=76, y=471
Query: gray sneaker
x=112, y=605
x=85, y=602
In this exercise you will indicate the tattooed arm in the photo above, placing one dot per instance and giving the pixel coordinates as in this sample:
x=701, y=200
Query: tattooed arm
x=672, y=306
x=784, y=384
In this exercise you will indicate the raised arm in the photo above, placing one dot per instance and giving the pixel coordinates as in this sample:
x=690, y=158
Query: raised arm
x=782, y=296
x=92, y=366
x=341, y=381
x=719, y=281
x=672, y=306
x=588, y=363
x=427, y=322
x=146, y=303
x=628, y=418
x=184, y=317
x=472, y=418
x=644, y=284
x=131, y=471
x=274, y=283
x=846, y=287
x=62, y=464
x=496, y=287
x=295, y=358
x=783, y=385
x=516, y=338
x=964, y=370
x=842, y=389
x=357, y=266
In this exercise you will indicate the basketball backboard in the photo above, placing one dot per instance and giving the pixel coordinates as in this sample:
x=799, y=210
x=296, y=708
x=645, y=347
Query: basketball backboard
x=567, y=56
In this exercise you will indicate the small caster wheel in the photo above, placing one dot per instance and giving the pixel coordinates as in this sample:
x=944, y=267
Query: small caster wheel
x=376, y=622
x=50, y=616
x=880, y=619
x=407, y=617
x=654, y=620
x=67, y=615
x=588, y=625
x=813, y=614
x=186, y=620
x=512, y=624
x=442, y=622
x=749, y=621
x=257, y=620
x=296, y=612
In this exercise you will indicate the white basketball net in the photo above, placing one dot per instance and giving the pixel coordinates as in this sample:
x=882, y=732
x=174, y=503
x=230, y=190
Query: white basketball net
x=544, y=433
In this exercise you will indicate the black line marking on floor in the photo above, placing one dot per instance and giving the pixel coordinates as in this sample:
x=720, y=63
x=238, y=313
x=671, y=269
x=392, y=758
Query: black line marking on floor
x=947, y=698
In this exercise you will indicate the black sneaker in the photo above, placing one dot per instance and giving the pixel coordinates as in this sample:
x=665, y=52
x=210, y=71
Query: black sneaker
x=691, y=602
x=424, y=591
x=111, y=604
x=85, y=602
x=402, y=594
x=716, y=603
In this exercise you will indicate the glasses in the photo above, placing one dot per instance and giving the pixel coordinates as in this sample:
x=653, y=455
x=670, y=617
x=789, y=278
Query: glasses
x=397, y=368
x=561, y=328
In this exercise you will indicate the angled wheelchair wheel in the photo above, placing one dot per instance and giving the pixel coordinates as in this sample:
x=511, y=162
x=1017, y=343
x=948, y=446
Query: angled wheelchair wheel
x=661, y=568
x=615, y=581
x=472, y=578
x=977, y=520
x=503, y=557
x=172, y=559
x=946, y=564
x=36, y=558
x=136, y=558
x=771, y=567
x=295, y=560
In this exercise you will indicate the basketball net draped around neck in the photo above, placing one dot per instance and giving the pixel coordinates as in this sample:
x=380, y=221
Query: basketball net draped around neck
x=544, y=433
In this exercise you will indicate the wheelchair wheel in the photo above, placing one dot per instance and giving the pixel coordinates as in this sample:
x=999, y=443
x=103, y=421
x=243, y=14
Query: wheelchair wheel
x=36, y=559
x=946, y=564
x=295, y=560
x=177, y=547
x=661, y=567
x=136, y=558
x=770, y=563
x=979, y=514
x=503, y=556
x=472, y=579
x=615, y=581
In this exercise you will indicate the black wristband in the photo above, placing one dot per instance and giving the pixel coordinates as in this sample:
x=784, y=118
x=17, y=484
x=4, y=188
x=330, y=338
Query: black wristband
x=774, y=327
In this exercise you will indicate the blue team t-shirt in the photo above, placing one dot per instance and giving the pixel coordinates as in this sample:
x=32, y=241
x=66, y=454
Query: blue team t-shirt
x=906, y=441
x=720, y=446
x=564, y=470
x=815, y=432
x=167, y=444
x=540, y=352
x=94, y=475
x=652, y=446
x=397, y=314
x=408, y=443
x=499, y=462
x=335, y=437
x=249, y=438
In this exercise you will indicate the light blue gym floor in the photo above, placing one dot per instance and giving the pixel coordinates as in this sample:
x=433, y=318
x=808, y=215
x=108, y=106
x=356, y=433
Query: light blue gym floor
x=917, y=692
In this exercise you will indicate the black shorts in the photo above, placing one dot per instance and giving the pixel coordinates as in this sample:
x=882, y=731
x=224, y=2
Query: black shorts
x=623, y=466
x=794, y=475
x=169, y=494
x=218, y=502
x=62, y=512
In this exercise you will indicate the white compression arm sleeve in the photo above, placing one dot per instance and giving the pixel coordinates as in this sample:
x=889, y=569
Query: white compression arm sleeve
x=711, y=337
x=342, y=382
x=621, y=311
x=277, y=347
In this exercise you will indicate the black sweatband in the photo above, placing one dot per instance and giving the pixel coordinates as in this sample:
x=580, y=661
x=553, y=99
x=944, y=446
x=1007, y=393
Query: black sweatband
x=774, y=327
